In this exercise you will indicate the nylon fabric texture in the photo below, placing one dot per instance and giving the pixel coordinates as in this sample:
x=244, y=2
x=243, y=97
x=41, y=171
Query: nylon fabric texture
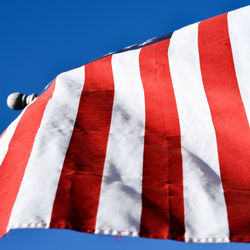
x=151, y=141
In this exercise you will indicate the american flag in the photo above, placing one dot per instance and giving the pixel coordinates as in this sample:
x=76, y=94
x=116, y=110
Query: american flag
x=151, y=141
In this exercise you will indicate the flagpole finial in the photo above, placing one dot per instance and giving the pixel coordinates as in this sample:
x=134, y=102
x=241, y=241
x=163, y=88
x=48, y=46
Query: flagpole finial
x=18, y=101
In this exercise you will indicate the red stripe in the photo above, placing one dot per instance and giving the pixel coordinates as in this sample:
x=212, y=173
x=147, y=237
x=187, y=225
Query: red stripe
x=17, y=157
x=79, y=187
x=230, y=122
x=2, y=134
x=162, y=187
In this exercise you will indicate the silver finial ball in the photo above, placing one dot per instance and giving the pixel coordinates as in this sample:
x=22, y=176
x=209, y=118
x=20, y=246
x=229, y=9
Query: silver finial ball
x=18, y=101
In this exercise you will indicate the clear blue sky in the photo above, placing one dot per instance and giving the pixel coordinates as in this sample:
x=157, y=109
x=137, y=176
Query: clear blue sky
x=40, y=39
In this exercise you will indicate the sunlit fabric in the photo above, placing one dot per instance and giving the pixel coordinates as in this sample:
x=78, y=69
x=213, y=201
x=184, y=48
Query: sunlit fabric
x=152, y=141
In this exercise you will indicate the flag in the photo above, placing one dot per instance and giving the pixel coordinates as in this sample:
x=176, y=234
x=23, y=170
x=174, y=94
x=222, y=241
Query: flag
x=151, y=141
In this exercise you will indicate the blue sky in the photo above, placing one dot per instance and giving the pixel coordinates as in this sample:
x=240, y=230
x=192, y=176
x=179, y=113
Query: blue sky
x=40, y=39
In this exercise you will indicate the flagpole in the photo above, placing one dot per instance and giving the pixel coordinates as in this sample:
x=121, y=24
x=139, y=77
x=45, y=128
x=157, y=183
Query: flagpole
x=18, y=101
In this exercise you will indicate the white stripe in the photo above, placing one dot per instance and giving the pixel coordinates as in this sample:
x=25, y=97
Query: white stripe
x=120, y=200
x=239, y=32
x=205, y=209
x=7, y=136
x=33, y=206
